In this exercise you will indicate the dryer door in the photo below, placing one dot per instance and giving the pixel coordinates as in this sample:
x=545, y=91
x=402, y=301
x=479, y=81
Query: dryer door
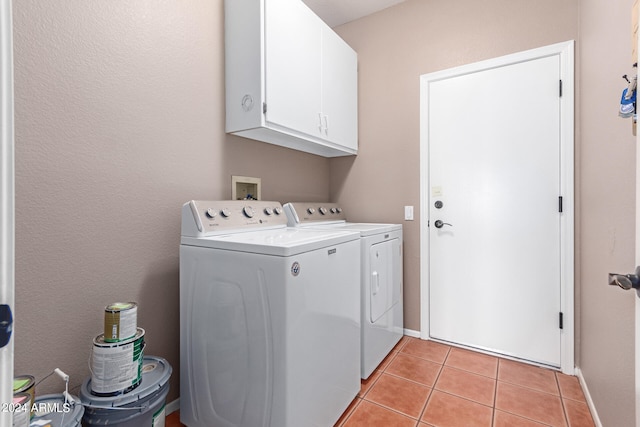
x=385, y=281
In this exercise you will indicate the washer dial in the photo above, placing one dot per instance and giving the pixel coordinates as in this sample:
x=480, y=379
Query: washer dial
x=248, y=211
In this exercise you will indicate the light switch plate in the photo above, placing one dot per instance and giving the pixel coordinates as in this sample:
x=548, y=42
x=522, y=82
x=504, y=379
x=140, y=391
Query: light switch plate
x=408, y=213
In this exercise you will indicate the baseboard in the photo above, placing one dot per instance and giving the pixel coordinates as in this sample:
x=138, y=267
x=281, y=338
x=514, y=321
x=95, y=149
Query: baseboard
x=412, y=333
x=172, y=407
x=587, y=395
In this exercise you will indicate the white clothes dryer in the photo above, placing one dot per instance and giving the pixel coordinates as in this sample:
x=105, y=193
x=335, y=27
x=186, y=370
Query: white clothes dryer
x=269, y=318
x=382, y=307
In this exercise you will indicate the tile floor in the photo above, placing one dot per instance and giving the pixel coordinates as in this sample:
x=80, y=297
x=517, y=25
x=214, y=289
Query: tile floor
x=423, y=383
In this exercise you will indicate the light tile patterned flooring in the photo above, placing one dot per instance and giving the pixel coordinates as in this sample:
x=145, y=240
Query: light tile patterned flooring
x=424, y=383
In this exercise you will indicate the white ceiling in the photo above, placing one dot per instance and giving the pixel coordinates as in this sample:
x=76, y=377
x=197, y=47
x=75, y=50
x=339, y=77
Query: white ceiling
x=337, y=12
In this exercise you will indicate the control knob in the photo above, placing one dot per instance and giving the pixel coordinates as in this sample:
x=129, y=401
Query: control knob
x=277, y=210
x=248, y=211
x=268, y=211
x=211, y=213
x=311, y=211
x=333, y=210
x=225, y=212
x=323, y=210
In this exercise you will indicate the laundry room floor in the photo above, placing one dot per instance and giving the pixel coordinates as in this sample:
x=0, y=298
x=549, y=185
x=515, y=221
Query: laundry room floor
x=424, y=383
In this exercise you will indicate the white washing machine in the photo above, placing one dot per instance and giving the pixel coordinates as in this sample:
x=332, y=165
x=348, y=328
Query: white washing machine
x=382, y=291
x=269, y=318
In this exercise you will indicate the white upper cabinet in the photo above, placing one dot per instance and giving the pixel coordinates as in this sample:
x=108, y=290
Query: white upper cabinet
x=290, y=79
x=339, y=90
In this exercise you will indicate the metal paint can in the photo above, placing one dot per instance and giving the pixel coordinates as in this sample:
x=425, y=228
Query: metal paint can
x=54, y=411
x=21, y=409
x=116, y=368
x=25, y=384
x=120, y=321
x=142, y=407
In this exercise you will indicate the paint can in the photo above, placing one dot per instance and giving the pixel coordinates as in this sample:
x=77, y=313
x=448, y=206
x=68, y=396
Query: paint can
x=142, y=407
x=120, y=321
x=116, y=368
x=21, y=409
x=25, y=384
x=52, y=410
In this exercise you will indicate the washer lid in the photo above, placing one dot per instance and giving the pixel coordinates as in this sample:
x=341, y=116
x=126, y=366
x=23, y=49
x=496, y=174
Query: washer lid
x=279, y=242
x=365, y=229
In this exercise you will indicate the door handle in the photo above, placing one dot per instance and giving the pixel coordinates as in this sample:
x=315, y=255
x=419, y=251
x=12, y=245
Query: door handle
x=440, y=224
x=626, y=281
x=376, y=284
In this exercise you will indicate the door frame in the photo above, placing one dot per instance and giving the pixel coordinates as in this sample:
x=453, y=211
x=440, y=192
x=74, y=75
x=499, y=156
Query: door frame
x=7, y=249
x=565, y=51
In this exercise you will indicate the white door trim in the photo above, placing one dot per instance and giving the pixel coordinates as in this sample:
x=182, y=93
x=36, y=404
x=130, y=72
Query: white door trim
x=565, y=51
x=6, y=198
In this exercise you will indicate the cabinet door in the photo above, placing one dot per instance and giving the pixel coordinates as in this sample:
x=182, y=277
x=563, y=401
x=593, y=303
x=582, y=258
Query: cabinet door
x=292, y=66
x=339, y=91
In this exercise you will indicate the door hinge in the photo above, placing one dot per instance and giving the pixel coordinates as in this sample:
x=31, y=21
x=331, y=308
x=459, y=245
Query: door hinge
x=560, y=319
x=560, y=88
x=264, y=108
x=560, y=204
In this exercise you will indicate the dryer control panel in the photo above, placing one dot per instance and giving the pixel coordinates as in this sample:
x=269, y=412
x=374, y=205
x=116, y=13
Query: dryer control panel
x=209, y=218
x=310, y=212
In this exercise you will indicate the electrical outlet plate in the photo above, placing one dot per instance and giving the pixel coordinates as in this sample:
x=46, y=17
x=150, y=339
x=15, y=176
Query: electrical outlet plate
x=408, y=213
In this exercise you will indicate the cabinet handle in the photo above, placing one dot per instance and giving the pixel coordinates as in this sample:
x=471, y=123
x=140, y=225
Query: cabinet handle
x=320, y=122
x=326, y=125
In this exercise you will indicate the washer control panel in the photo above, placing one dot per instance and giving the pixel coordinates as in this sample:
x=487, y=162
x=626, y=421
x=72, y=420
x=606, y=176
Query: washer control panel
x=203, y=218
x=308, y=212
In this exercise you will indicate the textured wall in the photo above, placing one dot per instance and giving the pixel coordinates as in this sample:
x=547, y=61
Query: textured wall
x=119, y=121
x=607, y=181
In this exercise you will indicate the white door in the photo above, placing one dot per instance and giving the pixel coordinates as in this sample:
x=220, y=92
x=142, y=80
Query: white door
x=292, y=69
x=494, y=209
x=6, y=202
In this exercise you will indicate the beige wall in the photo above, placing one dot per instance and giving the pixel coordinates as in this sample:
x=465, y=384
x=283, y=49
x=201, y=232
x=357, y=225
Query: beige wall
x=399, y=44
x=607, y=226
x=119, y=121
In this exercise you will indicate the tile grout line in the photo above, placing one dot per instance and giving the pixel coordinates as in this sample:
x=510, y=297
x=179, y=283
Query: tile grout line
x=424, y=408
x=495, y=394
x=564, y=408
x=391, y=409
x=532, y=389
x=350, y=413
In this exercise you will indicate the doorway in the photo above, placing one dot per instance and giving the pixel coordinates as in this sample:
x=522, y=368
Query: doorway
x=497, y=206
